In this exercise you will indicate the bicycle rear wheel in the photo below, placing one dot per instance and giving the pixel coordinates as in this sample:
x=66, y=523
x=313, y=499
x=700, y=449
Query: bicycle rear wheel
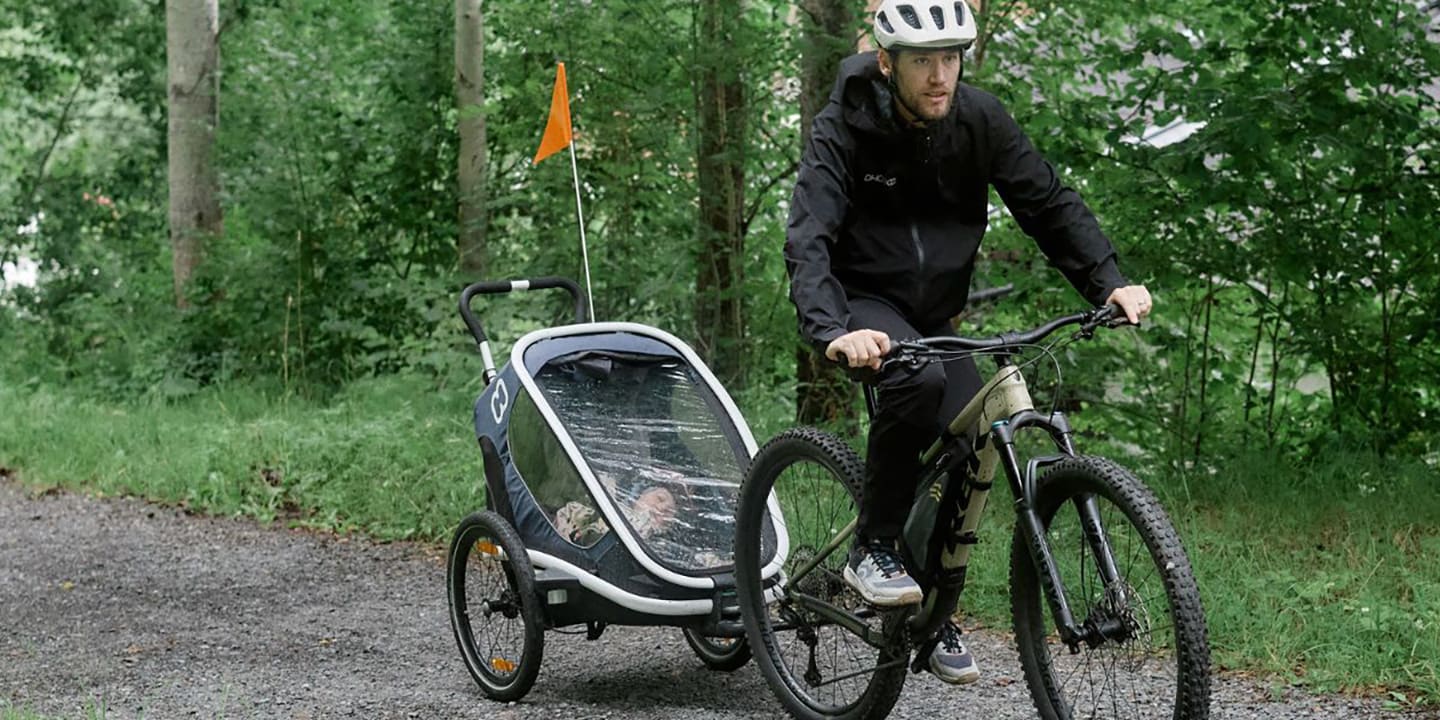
x=1155, y=660
x=817, y=666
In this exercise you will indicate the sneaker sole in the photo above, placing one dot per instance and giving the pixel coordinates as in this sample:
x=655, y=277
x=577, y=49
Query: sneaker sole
x=963, y=679
x=910, y=598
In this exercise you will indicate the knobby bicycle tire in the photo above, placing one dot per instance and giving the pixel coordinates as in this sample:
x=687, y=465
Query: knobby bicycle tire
x=820, y=480
x=1162, y=670
x=491, y=583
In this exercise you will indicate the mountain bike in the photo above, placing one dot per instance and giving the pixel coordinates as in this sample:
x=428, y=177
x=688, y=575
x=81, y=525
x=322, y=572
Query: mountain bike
x=1106, y=612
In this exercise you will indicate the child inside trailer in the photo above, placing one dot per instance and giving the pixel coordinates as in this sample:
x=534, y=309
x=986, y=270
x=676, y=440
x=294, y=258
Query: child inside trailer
x=652, y=513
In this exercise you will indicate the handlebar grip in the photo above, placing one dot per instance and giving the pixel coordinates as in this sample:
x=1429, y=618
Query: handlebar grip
x=493, y=287
x=1106, y=316
x=863, y=374
x=1113, y=316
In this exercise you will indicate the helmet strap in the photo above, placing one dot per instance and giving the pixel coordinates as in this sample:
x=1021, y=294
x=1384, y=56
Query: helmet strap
x=900, y=100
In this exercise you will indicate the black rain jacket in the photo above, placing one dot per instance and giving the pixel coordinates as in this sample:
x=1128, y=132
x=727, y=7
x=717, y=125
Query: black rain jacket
x=896, y=213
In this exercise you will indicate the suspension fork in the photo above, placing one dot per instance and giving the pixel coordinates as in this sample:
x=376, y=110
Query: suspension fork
x=1032, y=528
x=1027, y=517
x=1085, y=505
x=1089, y=510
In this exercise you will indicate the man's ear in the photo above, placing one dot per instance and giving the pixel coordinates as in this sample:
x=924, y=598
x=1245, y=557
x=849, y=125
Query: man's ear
x=886, y=64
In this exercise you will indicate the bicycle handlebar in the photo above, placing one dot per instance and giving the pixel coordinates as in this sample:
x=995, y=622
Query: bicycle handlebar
x=915, y=351
x=1088, y=321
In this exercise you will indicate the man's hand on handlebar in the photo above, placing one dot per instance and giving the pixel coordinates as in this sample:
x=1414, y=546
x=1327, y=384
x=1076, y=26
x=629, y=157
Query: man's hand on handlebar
x=1134, y=300
x=859, y=348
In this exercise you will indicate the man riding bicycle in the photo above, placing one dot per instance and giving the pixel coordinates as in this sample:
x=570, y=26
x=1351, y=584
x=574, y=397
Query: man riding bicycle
x=885, y=223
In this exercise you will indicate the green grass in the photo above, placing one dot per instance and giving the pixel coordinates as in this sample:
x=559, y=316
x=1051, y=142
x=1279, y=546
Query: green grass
x=1322, y=574
x=392, y=458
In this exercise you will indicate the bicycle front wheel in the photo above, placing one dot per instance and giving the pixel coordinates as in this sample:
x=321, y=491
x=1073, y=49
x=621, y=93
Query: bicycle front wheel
x=824, y=652
x=1151, y=658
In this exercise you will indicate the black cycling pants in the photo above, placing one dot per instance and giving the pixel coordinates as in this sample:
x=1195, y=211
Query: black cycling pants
x=914, y=405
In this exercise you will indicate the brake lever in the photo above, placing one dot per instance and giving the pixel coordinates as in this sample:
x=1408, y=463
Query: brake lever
x=906, y=353
x=1110, y=316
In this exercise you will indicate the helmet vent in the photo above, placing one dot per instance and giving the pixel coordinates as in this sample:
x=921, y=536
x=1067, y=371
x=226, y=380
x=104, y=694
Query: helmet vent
x=959, y=13
x=907, y=13
x=884, y=22
x=938, y=16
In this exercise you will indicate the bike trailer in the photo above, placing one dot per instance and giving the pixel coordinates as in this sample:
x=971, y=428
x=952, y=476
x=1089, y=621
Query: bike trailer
x=617, y=457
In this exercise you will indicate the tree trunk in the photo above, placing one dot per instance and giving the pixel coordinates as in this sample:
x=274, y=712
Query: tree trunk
x=823, y=396
x=993, y=18
x=470, y=101
x=719, y=285
x=1250, y=392
x=1204, y=369
x=192, y=65
x=1281, y=311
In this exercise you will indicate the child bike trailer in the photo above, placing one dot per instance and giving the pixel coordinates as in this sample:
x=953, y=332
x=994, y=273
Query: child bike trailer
x=613, y=459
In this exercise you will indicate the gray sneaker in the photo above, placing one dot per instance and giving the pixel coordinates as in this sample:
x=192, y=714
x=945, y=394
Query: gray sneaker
x=951, y=661
x=875, y=571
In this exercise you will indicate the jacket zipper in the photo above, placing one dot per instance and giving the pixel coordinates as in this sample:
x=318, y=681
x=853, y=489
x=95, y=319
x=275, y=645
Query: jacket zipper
x=919, y=265
x=919, y=249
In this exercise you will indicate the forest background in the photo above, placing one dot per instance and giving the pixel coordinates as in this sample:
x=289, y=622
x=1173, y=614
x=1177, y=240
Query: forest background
x=230, y=280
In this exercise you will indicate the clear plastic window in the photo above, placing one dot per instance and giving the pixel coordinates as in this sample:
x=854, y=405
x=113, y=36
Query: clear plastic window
x=657, y=442
x=541, y=461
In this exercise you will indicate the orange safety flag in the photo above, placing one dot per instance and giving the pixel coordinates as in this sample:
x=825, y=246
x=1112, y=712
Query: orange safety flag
x=557, y=130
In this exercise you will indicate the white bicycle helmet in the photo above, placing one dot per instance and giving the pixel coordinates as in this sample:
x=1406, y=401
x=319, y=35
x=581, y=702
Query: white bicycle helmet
x=924, y=24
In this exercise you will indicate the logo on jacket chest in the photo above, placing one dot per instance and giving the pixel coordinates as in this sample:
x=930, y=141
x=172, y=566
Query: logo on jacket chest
x=882, y=179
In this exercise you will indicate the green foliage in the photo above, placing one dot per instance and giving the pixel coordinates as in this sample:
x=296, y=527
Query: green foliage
x=338, y=163
x=1332, y=251
x=1285, y=240
x=10, y=712
x=1281, y=239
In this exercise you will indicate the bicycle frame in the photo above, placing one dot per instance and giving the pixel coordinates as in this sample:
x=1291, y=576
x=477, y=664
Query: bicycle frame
x=1001, y=409
x=989, y=422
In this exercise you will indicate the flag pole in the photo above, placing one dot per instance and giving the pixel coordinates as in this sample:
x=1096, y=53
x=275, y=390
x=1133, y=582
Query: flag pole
x=560, y=133
x=580, y=215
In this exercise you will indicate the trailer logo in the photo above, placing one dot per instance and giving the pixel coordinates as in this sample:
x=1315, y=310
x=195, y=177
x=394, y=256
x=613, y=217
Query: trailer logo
x=500, y=401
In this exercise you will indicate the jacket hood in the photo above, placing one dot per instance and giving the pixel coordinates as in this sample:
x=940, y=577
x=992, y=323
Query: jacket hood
x=863, y=94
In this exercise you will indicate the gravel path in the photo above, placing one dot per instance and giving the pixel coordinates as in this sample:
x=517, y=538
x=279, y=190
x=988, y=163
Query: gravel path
x=138, y=610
